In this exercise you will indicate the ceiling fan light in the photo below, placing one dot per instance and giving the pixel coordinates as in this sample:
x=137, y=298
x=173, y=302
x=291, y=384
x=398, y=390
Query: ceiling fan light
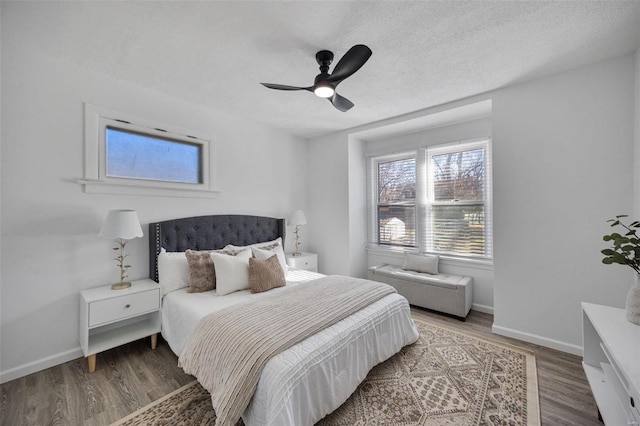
x=324, y=91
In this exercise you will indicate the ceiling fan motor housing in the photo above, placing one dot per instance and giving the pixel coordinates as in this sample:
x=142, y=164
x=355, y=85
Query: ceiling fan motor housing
x=324, y=59
x=321, y=77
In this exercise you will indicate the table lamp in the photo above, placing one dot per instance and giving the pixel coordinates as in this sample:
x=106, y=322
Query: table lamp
x=297, y=219
x=121, y=225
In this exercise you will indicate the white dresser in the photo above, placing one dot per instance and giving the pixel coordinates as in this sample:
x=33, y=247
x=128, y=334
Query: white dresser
x=611, y=362
x=110, y=318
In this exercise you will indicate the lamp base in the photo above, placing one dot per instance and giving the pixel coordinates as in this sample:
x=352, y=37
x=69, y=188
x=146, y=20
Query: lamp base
x=120, y=286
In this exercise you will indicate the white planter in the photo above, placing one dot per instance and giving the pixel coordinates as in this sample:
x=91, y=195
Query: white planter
x=633, y=302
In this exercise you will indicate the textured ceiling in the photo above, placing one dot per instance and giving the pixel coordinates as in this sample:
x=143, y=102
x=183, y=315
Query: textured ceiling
x=215, y=54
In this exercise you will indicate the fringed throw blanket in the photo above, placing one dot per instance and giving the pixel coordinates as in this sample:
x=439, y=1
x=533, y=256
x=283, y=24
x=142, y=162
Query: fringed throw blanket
x=229, y=348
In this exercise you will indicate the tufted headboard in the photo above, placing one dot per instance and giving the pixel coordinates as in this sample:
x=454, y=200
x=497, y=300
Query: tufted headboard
x=210, y=233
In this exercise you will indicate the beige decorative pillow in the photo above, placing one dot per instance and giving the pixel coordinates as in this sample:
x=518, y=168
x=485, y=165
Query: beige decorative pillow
x=202, y=274
x=421, y=263
x=265, y=274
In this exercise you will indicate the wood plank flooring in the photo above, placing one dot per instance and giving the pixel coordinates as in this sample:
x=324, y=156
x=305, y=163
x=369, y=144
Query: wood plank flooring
x=133, y=375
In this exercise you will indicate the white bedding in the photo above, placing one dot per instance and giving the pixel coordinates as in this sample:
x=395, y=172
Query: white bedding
x=293, y=388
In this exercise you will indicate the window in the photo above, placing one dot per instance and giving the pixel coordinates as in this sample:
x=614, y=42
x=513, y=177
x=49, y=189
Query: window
x=136, y=155
x=436, y=200
x=130, y=155
x=396, y=201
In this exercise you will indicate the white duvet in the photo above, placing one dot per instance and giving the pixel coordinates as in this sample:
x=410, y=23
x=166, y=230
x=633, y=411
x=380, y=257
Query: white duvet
x=314, y=377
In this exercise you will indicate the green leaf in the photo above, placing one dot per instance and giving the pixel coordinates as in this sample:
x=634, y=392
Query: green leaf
x=618, y=258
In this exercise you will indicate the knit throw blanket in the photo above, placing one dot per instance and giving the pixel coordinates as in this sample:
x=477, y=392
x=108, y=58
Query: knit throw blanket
x=229, y=348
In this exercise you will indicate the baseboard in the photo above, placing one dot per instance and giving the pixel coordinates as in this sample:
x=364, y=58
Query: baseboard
x=41, y=364
x=538, y=340
x=482, y=308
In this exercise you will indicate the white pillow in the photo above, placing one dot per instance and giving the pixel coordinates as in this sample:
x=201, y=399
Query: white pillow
x=274, y=246
x=262, y=254
x=232, y=272
x=173, y=271
x=421, y=263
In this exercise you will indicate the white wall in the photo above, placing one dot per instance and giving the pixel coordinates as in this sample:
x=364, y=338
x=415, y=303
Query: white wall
x=328, y=212
x=563, y=164
x=636, y=156
x=357, y=208
x=49, y=243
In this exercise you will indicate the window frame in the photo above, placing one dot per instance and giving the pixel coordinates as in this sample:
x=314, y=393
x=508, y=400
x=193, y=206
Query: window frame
x=425, y=197
x=96, y=180
x=470, y=145
x=376, y=161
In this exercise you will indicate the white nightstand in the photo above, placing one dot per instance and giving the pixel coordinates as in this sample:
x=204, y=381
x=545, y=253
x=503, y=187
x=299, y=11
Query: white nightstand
x=110, y=318
x=306, y=261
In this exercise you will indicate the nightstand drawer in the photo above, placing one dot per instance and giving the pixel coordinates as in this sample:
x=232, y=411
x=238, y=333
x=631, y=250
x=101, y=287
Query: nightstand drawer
x=117, y=308
x=307, y=261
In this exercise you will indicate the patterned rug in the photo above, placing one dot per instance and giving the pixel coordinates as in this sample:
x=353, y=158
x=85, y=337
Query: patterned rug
x=446, y=378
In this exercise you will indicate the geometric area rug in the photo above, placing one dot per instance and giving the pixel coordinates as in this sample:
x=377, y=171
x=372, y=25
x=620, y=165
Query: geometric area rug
x=447, y=377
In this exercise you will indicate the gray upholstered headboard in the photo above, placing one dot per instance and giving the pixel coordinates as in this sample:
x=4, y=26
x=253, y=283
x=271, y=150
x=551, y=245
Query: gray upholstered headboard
x=210, y=233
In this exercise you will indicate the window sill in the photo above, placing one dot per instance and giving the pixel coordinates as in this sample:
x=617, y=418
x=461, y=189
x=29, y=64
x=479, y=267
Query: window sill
x=398, y=253
x=100, y=187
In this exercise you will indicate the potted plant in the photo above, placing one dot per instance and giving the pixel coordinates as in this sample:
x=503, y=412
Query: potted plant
x=625, y=250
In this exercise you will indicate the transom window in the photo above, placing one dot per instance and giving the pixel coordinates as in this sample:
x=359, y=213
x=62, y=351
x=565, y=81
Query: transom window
x=137, y=155
x=125, y=154
x=436, y=200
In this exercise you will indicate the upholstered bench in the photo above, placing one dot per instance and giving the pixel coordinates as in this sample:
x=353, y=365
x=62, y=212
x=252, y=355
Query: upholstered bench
x=451, y=294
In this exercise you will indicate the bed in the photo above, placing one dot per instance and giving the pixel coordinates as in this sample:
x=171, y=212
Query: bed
x=310, y=379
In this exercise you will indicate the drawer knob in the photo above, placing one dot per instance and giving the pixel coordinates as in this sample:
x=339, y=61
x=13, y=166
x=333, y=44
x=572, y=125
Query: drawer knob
x=127, y=306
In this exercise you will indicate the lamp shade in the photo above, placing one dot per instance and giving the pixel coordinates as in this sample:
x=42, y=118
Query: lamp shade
x=297, y=218
x=121, y=224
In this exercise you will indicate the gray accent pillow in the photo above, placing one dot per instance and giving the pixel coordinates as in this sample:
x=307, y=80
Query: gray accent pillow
x=265, y=274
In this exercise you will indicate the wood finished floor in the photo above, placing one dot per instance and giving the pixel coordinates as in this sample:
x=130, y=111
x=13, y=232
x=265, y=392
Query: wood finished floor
x=131, y=376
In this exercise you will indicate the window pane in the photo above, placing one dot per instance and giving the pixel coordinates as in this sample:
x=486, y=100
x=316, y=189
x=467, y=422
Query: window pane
x=135, y=155
x=397, y=225
x=458, y=229
x=397, y=181
x=459, y=176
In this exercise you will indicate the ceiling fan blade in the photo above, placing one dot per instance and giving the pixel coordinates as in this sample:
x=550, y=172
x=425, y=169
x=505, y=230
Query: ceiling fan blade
x=341, y=103
x=284, y=87
x=351, y=62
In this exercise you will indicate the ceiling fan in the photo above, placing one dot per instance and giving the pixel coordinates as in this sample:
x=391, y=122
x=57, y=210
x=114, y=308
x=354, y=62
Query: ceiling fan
x=325, y=84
